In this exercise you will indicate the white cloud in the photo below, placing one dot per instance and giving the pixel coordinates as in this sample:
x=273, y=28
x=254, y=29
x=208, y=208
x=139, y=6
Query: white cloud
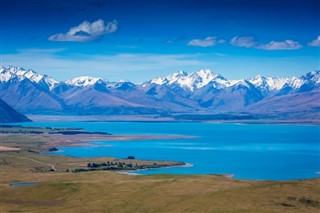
x=315, y=43
x=207, y=42
x=249, y=42
x=281, y=45
x=86, y=31
x=243, y=41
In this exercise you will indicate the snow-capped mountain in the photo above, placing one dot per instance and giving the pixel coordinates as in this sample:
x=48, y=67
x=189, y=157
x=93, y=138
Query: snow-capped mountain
x=269, y=83
x=180, y=92
x=286, y=85
x=311, y=81
x=87, y=81
x=312, y=76
x=18, y=73
x=192, y=81
x=121, y=85
x=84, y=81
x=197, y=80
x=28, y=91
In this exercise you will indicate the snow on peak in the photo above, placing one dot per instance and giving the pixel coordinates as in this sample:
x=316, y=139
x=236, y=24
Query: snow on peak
x=84, y=81
x=242, y=82
x=190, y=81
x=297, y=82
x=269, y=83
x=120, y=84
x=170, y=78
x=159, y=81
x=313, y=75
x=11, y=72
x=178, y=74
x=204, y=77
x=276, y=83
x=258, y=79
x=205, y=74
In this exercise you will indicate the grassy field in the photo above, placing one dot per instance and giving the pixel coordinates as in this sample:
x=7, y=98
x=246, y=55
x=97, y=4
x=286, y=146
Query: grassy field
x=107, y=191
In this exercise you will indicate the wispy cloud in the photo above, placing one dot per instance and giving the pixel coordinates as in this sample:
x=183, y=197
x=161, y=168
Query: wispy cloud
x=86, y=31
x=281, y=45
x=250, y=42
x=136, y=67
x=315, y=42
x=39, y=51
x=207, y=42
x=243, y=41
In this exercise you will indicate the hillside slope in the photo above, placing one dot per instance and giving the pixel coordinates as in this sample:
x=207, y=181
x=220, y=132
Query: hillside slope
x=8, y=114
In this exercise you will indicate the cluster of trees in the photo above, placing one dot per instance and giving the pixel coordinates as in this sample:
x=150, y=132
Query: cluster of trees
x=20, y=131
x=77, y=132
x=112, y=165
x=116, y=166
x=53, y=149
x=17, y=129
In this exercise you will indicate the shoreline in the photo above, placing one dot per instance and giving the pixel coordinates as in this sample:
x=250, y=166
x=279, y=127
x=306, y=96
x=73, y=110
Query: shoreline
x=7, y=149
x=59, y=140
x=134, y=172
x=154, y=118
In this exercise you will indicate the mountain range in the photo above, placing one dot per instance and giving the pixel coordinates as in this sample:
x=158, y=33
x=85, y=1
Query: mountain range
x=201, y=92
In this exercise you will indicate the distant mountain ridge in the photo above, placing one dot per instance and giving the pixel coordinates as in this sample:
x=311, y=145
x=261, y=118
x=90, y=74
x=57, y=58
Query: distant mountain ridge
x=10, y=73
x=181, y=92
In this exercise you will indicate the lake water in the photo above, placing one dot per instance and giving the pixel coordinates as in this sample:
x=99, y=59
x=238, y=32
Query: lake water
x=24, y=184
x=249, y=151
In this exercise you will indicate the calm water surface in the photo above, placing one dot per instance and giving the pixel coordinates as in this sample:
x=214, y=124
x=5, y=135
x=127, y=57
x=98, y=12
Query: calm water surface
x=24, y=184
x=249, y=151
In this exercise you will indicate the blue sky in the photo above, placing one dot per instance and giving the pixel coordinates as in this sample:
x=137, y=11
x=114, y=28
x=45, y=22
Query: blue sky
x=139, y=40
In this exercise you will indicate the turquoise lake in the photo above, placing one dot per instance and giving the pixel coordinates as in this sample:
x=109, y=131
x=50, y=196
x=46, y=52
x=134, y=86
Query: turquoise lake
x=24, y=184
x=249, y=151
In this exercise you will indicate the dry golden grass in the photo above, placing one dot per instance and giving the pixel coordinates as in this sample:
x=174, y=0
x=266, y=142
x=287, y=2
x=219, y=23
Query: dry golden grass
x=103, y=191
